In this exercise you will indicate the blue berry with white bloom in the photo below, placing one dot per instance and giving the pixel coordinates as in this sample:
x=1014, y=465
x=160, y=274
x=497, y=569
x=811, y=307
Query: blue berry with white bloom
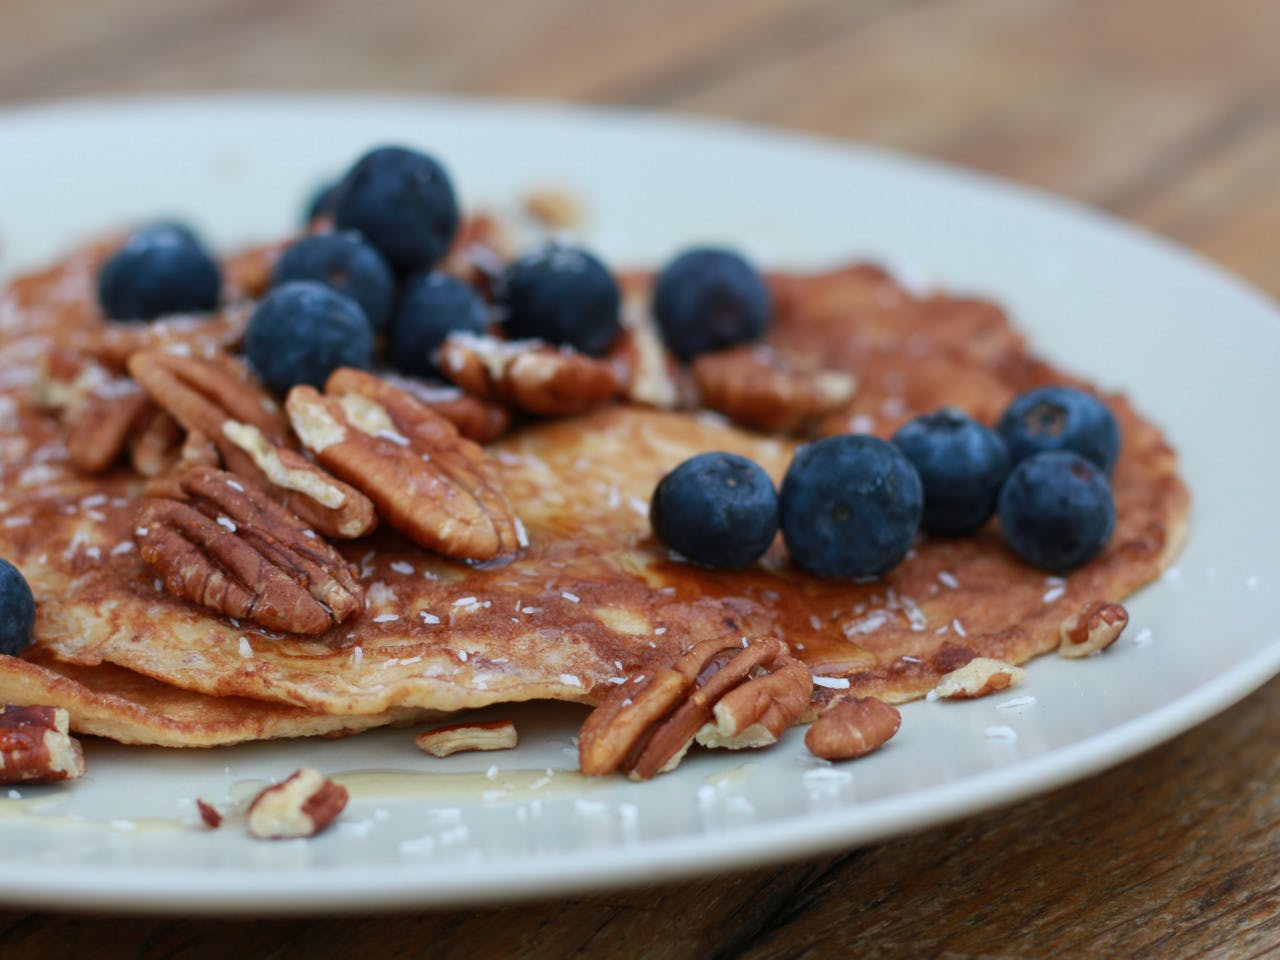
x=302, y=331
x=1061, y=418
x=17, y=610
x=346, y=263
x=850, y=506
x=161, y=270
x=564, y=295
x=432, y=306
x=716, y=509
x=1056, y=510
x=961, y=465
x=708, y=299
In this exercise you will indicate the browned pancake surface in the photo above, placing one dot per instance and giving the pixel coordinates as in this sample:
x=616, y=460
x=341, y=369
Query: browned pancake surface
x=593, y=596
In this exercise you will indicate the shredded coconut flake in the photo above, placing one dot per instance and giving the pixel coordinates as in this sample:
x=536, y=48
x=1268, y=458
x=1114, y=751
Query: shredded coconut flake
x=570, y=680
x=958, y=627
x=571, y=597
x=228, y=523
x=428, y=617
x=948, y=580
x=832, y=683
x=386, y=617
x=401, y=566
x=245, y=649
x=1001, y=732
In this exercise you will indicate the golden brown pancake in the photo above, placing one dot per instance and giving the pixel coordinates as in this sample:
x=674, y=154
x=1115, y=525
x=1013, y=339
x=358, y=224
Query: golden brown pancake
x=593, y=596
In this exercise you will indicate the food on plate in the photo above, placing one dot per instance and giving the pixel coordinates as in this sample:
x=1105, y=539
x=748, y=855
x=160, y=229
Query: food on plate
x=298, y=510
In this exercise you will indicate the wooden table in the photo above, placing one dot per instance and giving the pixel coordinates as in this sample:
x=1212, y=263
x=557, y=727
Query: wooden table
x=1166, y=112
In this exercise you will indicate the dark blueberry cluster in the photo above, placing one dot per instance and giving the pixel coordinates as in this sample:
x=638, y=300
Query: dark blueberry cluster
x=852, y=505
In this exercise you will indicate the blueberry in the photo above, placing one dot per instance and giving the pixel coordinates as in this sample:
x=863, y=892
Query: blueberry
x=432, y=306
x=716, y=509
x=346, y=263
x=162, y=269
x=707, y=299
x=403, y=204
x=564, y=295
x=1056, y=510
x=850, y=506
x=17, y=610
x=1060, y=418
x=961, y=465
x=303, y=331
x=321, y=202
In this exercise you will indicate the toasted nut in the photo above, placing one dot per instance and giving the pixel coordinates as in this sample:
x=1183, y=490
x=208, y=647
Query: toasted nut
x=300, y=806
x=247, y=275
x=554, y=208
x=237, y=551
x=852, y=728
x=209, y=814
x=755, y=386
x=478, y=420
x=460, y=737
x=427, y=481
x=202, y=393
x=203, y=334
x=654, y=375
x=36, y=745
x=977, y=678
x=100, y=421
x=1095, y=627
x=156, y=444
x=646, y=725
x=479, y=253
x=197, y=450
x=531, y=375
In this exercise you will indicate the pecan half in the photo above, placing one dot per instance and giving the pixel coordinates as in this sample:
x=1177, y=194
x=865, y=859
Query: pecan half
x=232, y=548
x=1095, y=627
x=720, y=692
x=115, y=343
x=852, y=728
x=36, y=745
x=221, y=401
x=476, y=419
x=461, y=737
x=755, y=386
x=99, y=423
x=531, y=375
x=300, y=806
x=430, y=483
x=977, y=678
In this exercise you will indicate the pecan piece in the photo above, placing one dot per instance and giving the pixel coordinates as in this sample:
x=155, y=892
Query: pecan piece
x=554, y=208
x=460, y=737
x=222, y=402
x=852, y=728
x=300, y=806
x=115, y=343
x=476, y=419
x=755, y=386
x=531, y=375
x=36, y=745
x=208, y=814
x=720, y=692
x=1095, y=627
x=235, y=550
x=156, y=444
x=977, y=678
x=100, y=422
x=427, y=481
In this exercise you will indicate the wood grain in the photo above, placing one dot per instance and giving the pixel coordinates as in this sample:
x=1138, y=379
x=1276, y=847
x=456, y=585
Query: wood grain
x=1166, y=112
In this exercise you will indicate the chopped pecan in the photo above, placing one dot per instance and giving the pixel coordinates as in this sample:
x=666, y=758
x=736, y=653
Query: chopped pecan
x=720, y=692
x=300, y=806
x=36, y=745
x=246, y=275
x=234, y=549
x=156, y=444
x=460, y=737
x=755, y=386
x=476, y=419
x=531, y=375
x=554, y=208
x=655, y=377
x=977, y=678
x=197, y=450
x=435, y=486
x=115, y=343
x=99, y=423
x=479, y=252
x=852, y=728
x=222, y=402
x=1095, y=627
x=209, y=814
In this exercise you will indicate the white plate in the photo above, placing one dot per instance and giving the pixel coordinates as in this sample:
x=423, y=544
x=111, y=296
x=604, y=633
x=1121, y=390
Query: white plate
x=1195, y=348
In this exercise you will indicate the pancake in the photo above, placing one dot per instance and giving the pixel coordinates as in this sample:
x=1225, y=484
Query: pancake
x=593, y=596
x=109, y=701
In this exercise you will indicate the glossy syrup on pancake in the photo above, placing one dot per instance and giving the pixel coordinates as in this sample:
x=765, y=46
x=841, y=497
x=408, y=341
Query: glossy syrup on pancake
x=594, y=596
